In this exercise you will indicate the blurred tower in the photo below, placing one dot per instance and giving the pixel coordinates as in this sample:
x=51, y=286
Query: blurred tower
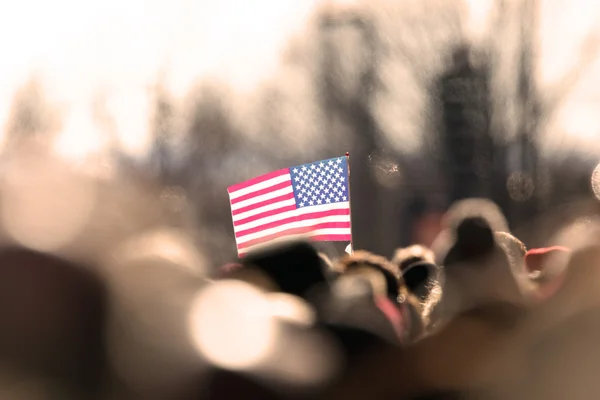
x=346, y=94
x=529, y=189
x=470, y=155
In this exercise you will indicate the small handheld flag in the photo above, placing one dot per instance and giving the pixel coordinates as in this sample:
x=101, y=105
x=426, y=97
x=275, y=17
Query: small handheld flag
x=310, y=200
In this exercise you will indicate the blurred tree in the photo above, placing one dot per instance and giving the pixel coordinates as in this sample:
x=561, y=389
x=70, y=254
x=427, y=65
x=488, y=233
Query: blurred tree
x=378, y=62
x=32, y=119
x=520, y=113
x=212, y=143
x=163, y=126
x=536, y=109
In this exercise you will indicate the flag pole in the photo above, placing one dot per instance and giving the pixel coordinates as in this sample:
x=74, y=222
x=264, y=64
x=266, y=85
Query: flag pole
x=350, y=204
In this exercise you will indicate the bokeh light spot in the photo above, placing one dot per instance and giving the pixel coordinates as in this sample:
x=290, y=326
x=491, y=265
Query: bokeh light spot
x=596, y=181
x=520, y=186
x=231, y=325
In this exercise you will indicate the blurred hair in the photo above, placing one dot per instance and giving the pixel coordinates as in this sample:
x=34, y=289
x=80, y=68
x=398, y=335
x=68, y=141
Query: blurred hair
x=363, y=259
x=476, y=207
x=404, y=257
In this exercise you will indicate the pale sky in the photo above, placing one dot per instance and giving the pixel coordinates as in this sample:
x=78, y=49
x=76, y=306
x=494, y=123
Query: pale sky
x=80, y=47
x=565, y=25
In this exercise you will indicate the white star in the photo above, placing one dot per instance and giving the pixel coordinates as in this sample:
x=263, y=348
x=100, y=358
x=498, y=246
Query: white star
x=342, y=179
x=321, y=186
x=327, y=168
x=339, y=160
x=343, y=187
x=337, y=174
x=311, y=180
x=328, y=201
x=319, y=169
x=322, y=195
x=303, y=190
x=340, y=193
x=297, y=178
x=300, y=173
x=295, y=170
x=337, y=199
x=301, y=204
x=331, y=195
x=345, y=198
x=309, y=193
x=311, y=202
x=330, y=185
x=313, y=166
x=326, y=190
x=338, y=184
x=319, y=201
x=304, y=168
x=321, y=164
x=330, y=162
x=314, y=197
x=302, y=182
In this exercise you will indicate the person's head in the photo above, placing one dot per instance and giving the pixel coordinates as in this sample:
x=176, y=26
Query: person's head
x=53, y=320
x=483, y=266
x=406, y=256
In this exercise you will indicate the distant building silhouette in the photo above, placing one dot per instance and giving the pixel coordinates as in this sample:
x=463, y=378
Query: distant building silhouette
x=469, y=158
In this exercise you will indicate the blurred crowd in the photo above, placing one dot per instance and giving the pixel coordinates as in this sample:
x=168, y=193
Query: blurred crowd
x=122, y=125
x=103, y=297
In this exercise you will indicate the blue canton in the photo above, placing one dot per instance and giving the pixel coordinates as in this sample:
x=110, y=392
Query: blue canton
x=320, y=183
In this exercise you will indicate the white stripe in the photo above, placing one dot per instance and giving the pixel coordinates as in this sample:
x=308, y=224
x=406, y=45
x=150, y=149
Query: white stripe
x=262, y=197
x=293, y=225
x=291, y=238
x=288, y=214
x=260, y=186
x=274, y=206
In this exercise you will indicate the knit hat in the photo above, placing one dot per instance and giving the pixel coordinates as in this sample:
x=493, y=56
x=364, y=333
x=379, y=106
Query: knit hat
x=404, y=257
x=457, y=213
x=483, y=266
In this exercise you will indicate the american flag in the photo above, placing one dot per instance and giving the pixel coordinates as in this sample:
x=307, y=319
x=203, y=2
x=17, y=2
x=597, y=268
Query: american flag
x=307, y=200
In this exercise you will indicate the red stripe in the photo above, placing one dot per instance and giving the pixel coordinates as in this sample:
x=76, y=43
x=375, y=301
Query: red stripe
x=258, y=179
x=265, y=214
x=331, y=238
x=295, y=231
x=260, y=192
x=251, y=207
x=295, y=218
